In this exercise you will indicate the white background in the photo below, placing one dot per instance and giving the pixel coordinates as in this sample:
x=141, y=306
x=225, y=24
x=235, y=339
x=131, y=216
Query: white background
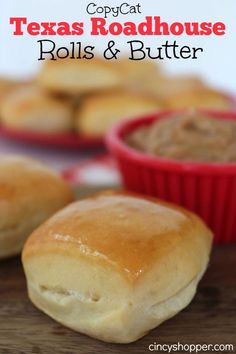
x=18, y=55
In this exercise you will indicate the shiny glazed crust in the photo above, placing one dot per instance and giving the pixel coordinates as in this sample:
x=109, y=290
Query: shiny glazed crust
x=116, y=265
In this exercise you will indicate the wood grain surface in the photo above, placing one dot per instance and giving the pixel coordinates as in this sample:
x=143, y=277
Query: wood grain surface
x=210, y=318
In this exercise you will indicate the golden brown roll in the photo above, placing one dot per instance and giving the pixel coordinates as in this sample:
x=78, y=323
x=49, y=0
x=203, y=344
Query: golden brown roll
x=29, y=193
x=137, y=73
x=30, y=108
x=7, y=86
x=165, y=87
x=76, y=77
x=199, y=97
x=185, y=91
x=116, y=265
x=98, y=112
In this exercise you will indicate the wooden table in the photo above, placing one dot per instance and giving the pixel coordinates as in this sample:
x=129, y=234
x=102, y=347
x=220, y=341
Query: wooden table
x=210, y=318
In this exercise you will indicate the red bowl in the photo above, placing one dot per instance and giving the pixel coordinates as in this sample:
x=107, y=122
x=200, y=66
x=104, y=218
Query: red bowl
x=65, y=140
x=209, y=189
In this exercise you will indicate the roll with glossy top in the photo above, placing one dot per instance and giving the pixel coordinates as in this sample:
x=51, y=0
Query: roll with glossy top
x=116, y=265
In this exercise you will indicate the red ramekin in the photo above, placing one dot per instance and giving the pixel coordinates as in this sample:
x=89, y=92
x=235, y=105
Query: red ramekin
x=209, y=189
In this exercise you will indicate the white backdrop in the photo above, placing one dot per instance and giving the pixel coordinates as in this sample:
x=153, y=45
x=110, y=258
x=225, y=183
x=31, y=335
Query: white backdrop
x=18, y=55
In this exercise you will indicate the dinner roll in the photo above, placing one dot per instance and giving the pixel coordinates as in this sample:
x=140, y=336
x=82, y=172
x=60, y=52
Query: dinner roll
x=76, y=77
x=136, y=73
x=6, y=85
x=30, y=108
x=98, y=112
x=199, y=97
x=29, y=194
x=116, y=265
x=165, y=87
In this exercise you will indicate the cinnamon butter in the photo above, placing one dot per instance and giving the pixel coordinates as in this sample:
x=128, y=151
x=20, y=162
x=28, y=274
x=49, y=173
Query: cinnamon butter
x=190, y=137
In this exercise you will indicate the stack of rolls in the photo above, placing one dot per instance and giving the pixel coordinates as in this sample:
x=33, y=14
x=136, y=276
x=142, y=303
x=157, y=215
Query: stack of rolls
x=88, y=96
